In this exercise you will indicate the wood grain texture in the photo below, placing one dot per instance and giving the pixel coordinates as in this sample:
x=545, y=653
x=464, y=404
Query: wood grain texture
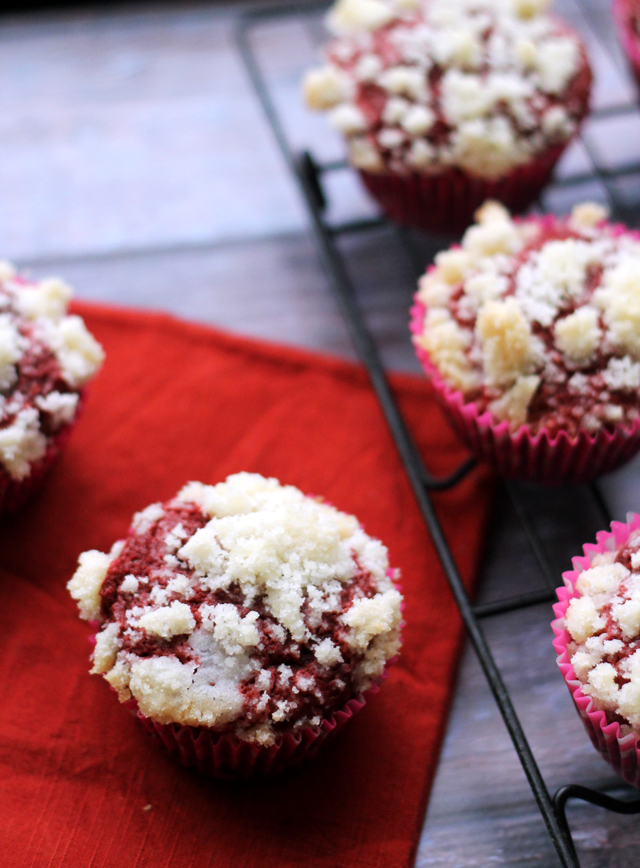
x=135, y=161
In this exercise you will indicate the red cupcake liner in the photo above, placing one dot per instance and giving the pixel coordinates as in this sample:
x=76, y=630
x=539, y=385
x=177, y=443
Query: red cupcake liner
x=14, y=493
x=623, y=15
x=539, y=457
x=622, y=751
x=223, y=755
x=445, y=203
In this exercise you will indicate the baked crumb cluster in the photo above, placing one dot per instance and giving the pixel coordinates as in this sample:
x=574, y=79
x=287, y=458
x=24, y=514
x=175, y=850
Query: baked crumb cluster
x=538, y=320
x=242, y=606
x=421, y=85
x=46, y=357
x=604, y=624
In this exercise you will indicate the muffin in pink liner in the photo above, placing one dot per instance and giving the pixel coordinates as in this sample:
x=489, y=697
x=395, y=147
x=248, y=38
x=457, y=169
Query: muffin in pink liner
x=243, y=623
x=46, y=360
x=597, y=639
x=447, y=103
x=530, y=334
x=626, y=14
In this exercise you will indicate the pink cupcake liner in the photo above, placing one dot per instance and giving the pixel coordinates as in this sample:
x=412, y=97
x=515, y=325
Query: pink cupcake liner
x=621, y=751
x=540, y=457
x=445, y=203
x=623, y=12
x=14, y=493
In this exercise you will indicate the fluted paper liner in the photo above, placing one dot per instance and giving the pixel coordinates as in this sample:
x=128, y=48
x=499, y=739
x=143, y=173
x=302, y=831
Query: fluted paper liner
x=445, y=203
x=224, y=755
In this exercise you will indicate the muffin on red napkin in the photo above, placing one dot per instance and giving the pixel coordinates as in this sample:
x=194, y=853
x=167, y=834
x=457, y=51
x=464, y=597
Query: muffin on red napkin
x=46, y=359
x=530, y=333
x=626, y=14
x=242, y=622
x=446, y=103
x=597, y=639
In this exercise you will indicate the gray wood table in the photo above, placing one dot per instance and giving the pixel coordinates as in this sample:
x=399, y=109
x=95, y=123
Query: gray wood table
x=135, y=162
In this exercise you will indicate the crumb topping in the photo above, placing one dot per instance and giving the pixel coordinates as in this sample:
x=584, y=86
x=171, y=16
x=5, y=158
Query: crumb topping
x=604, y=624
x=244, y=605
x=420, y=85
x=46, y=357
x=538, y=320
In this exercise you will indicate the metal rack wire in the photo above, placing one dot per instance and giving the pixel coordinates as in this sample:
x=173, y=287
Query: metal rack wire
x=311, y=177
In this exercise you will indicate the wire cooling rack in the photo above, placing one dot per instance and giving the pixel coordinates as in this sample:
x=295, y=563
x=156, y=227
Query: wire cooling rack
x=612, y=177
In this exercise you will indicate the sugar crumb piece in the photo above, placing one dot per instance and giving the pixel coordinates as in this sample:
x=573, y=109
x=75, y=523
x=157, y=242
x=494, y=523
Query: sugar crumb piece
x=61, y=406
x=363, y=154
x=327, y=653
x=622, y=375
x=505, y=336
x=433, y=291
x=85, y=584
x=601, y=581
x=452, y=265
x=447, y=346
x=129, y=585
x=578, y=335
x=79, y=353
x=49, y=299
x=167, y=621
x=602, y=683
x=513, y=406
x=147, y=517
x=348, y=119
x=582, y=619
x=492, y=237
x=325, y=87
x=370, y=617
x=492, y=211
x=627, y=614
x=350, y=16
x=589, y=214
x=22, y=443
x=106, y=649
x=234, y=632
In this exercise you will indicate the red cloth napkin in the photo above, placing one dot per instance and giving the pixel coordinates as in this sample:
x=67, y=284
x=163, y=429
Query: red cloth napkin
x=81, y=784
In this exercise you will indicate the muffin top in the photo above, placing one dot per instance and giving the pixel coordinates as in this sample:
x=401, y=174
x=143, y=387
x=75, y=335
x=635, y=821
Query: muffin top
x=422, y=85
x=538, y=320
x=46, y=357
x=604, y=624
x=242, y=606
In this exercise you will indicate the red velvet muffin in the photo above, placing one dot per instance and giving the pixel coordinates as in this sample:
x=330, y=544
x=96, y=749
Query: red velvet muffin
x=445, y=104
x=597, y=638
x=530, y=332
x=46, y=358
x=243, y=622
x=627, y=17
